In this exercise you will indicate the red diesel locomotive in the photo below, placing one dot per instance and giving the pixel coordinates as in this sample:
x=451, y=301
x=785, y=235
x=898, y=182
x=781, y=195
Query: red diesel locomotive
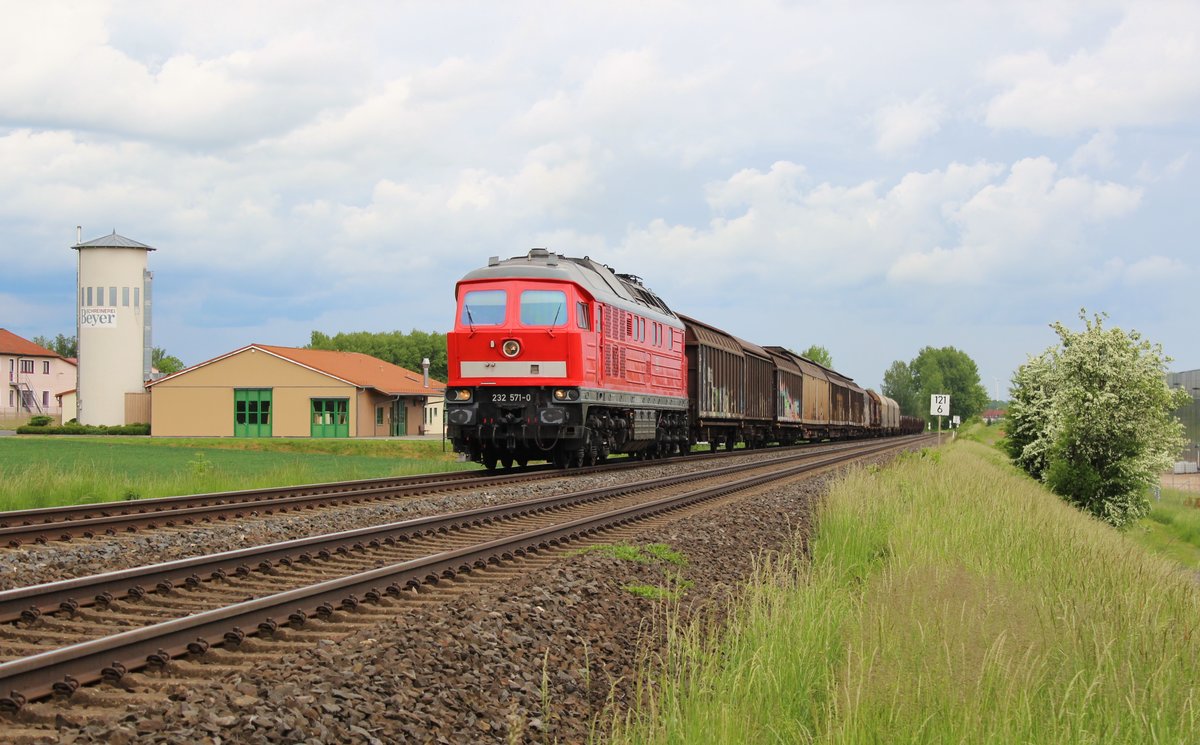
x=562, y=359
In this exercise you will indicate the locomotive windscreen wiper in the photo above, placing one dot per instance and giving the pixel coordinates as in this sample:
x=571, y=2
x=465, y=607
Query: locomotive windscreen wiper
x=470, y=318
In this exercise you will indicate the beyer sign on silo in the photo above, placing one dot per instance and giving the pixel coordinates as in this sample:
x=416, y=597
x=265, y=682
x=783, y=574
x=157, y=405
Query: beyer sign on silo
x=113, y=317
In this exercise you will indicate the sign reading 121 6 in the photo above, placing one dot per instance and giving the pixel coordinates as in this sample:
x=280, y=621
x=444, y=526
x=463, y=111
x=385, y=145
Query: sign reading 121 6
x=939, y=404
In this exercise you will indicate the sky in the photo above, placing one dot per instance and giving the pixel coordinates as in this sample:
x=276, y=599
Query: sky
x=870, y=177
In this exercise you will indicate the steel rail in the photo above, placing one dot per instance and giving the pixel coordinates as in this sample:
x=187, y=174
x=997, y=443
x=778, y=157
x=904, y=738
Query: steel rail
x=71, y=521
x=29, y=603
x=110, y=658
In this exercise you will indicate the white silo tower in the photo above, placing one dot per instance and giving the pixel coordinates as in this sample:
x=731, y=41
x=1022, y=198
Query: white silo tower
x=113, y=326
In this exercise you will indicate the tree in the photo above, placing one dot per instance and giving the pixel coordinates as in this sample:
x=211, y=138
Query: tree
x=63, y=346
x=952, y=371
x=945, y=370
x=1095, y=420
x=164, y=362
x=819, y=355
x=1025, y=427
x=405, y=350
x=900, y=386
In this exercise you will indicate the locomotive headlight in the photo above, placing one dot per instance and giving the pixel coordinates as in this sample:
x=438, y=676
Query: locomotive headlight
x=510, y=348
x=566, y=394
x=460, y=394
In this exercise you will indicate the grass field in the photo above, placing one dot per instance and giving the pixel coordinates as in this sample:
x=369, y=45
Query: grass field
x=948, y=599
x=1172, y=528
x=48, y=471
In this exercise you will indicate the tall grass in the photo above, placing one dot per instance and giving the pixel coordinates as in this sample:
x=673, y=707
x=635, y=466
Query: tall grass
x=49, y=471
x=948, y=599
x=1173, y=527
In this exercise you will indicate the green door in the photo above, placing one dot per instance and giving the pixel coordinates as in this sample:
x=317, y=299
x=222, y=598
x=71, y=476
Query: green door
x=399, y=418
x=252, y=412
x=330, y=417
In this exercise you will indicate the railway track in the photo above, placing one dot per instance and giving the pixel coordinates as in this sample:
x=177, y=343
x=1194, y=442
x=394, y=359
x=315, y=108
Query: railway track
x=44, y=525
x=103, y=627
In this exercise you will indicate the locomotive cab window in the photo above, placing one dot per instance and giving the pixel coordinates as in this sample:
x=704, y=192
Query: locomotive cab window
x=484, y=308
x=581, y=315
x=543, y=308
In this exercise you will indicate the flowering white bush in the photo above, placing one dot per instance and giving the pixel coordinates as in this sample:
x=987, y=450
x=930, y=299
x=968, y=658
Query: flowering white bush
x=1092, y=418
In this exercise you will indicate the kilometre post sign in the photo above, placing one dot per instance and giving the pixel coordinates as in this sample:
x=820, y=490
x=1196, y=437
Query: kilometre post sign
x=939, y=404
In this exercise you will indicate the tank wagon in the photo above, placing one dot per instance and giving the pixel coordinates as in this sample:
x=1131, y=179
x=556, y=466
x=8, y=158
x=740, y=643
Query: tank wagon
x=562, y=359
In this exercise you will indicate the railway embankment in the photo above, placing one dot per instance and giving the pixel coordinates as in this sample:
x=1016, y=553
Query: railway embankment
x=948, y=599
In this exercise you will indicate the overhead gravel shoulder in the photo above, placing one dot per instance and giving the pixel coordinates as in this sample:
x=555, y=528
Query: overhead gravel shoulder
x=549, y=656
x=36, y=564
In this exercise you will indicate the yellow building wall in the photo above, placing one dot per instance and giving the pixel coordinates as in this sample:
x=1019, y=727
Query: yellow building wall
x=199, y=403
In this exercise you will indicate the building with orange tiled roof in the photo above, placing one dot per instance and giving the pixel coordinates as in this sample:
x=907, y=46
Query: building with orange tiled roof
x=262, y=390
x=36, y=377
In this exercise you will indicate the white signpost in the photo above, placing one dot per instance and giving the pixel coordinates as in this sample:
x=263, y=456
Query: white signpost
x=939, y=406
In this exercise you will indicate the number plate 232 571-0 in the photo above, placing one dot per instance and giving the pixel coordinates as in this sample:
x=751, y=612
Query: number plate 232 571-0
x=511, y=398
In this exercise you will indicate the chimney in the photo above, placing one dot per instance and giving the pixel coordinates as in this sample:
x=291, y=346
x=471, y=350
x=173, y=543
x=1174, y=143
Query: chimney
x=78, y=234
x=425, y=370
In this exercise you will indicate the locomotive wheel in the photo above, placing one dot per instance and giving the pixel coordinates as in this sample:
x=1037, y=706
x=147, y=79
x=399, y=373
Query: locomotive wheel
x=590, y=452
x=507, y=462
x=522, y=462
x=489, y=461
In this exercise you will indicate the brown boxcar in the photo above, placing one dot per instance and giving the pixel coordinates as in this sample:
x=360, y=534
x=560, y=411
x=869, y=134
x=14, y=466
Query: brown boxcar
x=758, y=405
x=814, y=397
x=716, y=383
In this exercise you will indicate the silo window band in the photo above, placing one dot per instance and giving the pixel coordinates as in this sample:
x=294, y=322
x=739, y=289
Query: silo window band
x=125, y=296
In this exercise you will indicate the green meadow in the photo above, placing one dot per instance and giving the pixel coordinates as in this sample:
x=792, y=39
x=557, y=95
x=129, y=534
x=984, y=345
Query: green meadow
x=48, y=471
x=948, y=598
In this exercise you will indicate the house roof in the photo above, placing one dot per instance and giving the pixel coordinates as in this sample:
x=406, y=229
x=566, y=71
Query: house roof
x=113, y=241
x=363, y=370
x=10, y=343
x=355, y=368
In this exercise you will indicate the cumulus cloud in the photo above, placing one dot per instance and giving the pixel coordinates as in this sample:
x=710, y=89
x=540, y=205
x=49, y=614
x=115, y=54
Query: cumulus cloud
x=64, y=70
x=965, y=224
x=901, y=127
x=1143, y=74
x=1156, y=269
x=1098, y=152
x=1033, y=221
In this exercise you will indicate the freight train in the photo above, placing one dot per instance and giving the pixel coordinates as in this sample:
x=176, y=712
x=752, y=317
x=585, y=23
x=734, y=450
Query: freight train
x=562, y=359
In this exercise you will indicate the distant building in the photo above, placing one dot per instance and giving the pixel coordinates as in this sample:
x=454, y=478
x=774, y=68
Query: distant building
x=113, y=302
x=269, y=391
x=1190, y=414
x=36, y=377
x=992, y=416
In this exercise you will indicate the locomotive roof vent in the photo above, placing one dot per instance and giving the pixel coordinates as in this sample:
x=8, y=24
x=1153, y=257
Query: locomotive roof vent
x=543, y=254
x=493, y=261
x=632, y=278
